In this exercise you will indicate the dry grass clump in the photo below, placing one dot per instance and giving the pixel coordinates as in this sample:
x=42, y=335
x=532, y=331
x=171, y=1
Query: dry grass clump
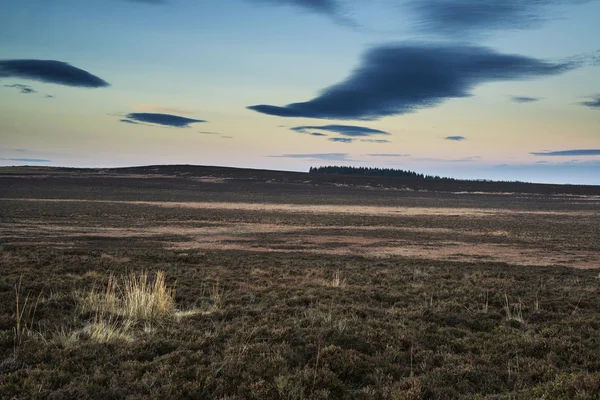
x=24, y=314
x=337, y=281
x=105, y=329
x=134, y=298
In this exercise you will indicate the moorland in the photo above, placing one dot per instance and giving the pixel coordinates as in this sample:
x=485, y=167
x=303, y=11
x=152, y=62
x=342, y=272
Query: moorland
x=167, y=282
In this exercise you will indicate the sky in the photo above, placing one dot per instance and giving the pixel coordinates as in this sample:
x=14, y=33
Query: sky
x=487, y=89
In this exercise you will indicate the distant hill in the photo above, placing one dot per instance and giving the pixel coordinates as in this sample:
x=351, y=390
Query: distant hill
x=415, y=182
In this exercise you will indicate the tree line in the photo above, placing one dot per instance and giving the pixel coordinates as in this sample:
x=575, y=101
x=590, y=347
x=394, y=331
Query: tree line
x=368, y=171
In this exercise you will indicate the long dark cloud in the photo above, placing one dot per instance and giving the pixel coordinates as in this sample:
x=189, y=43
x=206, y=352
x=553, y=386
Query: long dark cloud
x=466, y=17
x=50, y=71
x=399, y=79
x=25, y=89
x=317, y=156
x=455, y=138
x=524, y=99
x=174, y=121
x=344, y=130
x=128, y=121
x=567, y=153
x=594, y=103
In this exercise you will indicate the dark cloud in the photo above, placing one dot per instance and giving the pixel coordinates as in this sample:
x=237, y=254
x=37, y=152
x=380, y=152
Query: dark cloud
x=524, y=99
x=128, y=121
x=33, y=160
x=388, y=155
x=26, y=89
x=48, y=96
x=594, y=103
x=464, y=17
x=174, y=121
x=317, y=156
x=340, y=140
x=455, y=138
x=582, y=152
x=344, y=130
x=399, y=79
x=50, y=71
x=208, y=133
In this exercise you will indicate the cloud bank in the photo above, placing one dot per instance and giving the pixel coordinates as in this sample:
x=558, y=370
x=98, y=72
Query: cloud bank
x=581, y=152
x=174, y=121
x=50, y=71
x=402, y=78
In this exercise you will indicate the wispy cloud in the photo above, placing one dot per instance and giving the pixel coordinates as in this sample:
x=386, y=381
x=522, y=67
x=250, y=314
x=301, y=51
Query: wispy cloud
x=25, y=89
x=381, y=141
x=317, y=156
x=388, y=155
x=594, y=103
x=468, y=17
x=33, y=160
x=128, y=121
x=174, y=121
x=451, y=160
x=402, y=78
x=208, y=133
x=147, y=1
x=344, y=130
x=569, y=153
x=524, y=99
x=341, y=140
x=455, y=138
x=50, y=71
x=153, y=108
x=333, y=9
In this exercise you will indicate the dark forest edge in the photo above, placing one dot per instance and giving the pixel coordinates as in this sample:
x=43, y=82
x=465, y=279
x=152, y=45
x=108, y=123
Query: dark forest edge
x=381, y=172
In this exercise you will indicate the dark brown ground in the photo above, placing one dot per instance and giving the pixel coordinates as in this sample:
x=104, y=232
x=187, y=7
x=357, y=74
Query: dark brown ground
x=411, y=320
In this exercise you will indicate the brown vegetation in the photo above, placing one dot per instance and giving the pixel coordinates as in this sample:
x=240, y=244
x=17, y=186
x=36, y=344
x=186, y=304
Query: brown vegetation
x=299, y=305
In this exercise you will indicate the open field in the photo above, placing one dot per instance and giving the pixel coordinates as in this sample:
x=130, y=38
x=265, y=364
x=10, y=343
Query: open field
x=296, y=286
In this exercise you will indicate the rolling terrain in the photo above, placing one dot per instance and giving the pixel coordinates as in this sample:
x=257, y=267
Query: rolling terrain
x=298, y=286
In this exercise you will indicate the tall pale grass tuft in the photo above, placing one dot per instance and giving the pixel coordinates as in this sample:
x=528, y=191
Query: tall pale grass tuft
x=336, y=281
x=24, y=314
x=135, y=298
x=107, y=328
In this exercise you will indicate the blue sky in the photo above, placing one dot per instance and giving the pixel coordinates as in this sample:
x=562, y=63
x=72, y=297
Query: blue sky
x=487, y=89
